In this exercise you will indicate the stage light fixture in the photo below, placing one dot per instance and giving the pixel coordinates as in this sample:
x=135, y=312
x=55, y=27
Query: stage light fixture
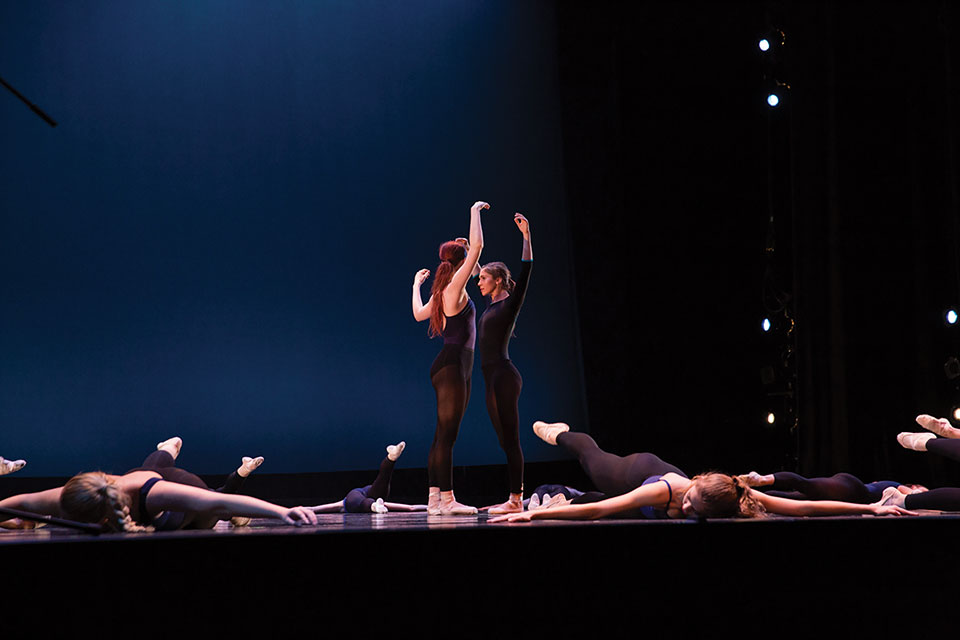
x=771, y=418
x=766, y=325
x=773, y=99
x=956, y=413
x=951, y=316
x=764, y=44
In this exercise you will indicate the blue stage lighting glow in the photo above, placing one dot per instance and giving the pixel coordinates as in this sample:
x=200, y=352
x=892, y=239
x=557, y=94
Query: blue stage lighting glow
x=951, y=316
x=766, y=324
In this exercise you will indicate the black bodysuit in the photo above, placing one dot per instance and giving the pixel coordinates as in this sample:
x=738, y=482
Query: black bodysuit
x=502, y=379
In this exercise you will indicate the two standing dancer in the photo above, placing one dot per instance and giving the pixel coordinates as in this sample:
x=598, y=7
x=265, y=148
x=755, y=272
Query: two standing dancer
x=452, y=315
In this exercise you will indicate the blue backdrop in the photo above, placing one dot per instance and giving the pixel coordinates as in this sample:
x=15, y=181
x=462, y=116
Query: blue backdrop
x=219, y=240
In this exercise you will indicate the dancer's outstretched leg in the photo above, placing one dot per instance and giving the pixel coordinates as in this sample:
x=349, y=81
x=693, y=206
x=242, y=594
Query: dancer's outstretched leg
x=235, y=480
x=370, y=498
x=943, y=499
x=841, y=486
x=943, y=447
x=611, y=474
x=11, y=466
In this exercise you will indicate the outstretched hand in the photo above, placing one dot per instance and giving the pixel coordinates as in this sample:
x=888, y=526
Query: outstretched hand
x=891, y=510
x=522, y=223
x=523, y=516
x=298, y=516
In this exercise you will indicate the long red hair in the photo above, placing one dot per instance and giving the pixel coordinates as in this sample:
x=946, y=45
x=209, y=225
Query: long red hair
x=451, y=255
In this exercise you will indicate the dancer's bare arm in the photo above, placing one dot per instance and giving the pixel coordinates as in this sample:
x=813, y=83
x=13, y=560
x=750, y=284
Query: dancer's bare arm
x=171, y=496
x=421, y=311
x=787, y=507
x=45, y=503
x=459, y=281
x=651, y=495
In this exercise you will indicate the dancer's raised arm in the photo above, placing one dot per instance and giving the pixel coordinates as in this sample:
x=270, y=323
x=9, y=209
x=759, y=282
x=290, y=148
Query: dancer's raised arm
x=421, y=311
x=459, y=280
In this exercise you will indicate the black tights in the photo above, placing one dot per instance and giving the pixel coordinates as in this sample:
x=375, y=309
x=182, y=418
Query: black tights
x=503, y=384
x=944, y=499
x=359, y=500
x=164, y=464
x=450, y=376
x=612, y=474
x=945, y=447
x=841, y=486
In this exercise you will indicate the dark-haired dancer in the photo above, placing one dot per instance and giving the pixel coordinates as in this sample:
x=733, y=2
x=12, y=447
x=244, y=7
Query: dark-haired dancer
x=370, y=499
x=452, y=315
x=502, y=379
x=644, y=483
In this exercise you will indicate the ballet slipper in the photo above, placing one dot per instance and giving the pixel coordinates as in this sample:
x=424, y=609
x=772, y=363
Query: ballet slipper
x=558, y=500
x=394, y=450
x=914, y=441
x=433, y=501
x=11, y=466
x=378, y=506
x=249, y=465
x=534, y=503
x=450, y=507
x=940, y=426
x=174, y=443
x=892, y=495
x=240, y=521
x=754, y=479
x=548, y=431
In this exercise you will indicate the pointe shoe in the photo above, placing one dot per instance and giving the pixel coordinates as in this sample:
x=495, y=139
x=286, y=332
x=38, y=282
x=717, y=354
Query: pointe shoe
x=394, y=450
x=507, y=507
x=892, y=495
x=378, y=506
x=10, y=466
x=249, y=465
x=940, y=426
x=450, y=507
x=914, y=441
x=753, y=479
x=433, y=502
x=176, y=442
x=548, y=432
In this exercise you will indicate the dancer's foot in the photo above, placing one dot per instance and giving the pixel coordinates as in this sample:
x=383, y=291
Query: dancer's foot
x=940, y=426
x=10, y=466
x=915, y=441
x=433, y=501
x=891, y=495
x=548, y=431
x=378, y=506
x=248, y=465
x=171, y=446
x=240, y=521
x=534, y=503
x=450, y=507
x=394, y=450
x=754, y=479
x=513, y=505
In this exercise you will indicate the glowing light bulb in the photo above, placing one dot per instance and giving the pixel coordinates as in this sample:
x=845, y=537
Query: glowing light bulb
x=771, y=418
x=773, y=99
x=764, y=44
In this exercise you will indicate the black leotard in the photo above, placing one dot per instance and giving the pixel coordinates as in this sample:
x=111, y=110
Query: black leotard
x=503, y=381
x=450, y=374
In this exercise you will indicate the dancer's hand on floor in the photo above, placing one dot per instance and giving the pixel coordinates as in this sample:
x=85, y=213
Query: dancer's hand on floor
x=298, y=516
x=891, y=510
x=525, y=516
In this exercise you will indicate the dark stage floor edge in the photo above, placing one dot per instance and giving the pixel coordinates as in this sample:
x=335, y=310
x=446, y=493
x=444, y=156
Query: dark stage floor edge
x=466, y=577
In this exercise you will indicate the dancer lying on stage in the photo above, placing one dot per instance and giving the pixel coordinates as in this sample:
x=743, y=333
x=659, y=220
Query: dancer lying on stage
x=452, y=315
x=947, y=445
x=155, y=497
x=841, y=486
x=371, y=497
x=500, y=376
x=11, y=466
x=648, y=487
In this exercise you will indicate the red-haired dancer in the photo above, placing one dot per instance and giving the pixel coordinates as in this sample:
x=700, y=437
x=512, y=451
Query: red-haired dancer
x=502, y=379
x=452, y=315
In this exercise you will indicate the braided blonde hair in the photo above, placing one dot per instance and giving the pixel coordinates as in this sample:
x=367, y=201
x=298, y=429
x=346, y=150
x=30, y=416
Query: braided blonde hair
x=95, y=497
